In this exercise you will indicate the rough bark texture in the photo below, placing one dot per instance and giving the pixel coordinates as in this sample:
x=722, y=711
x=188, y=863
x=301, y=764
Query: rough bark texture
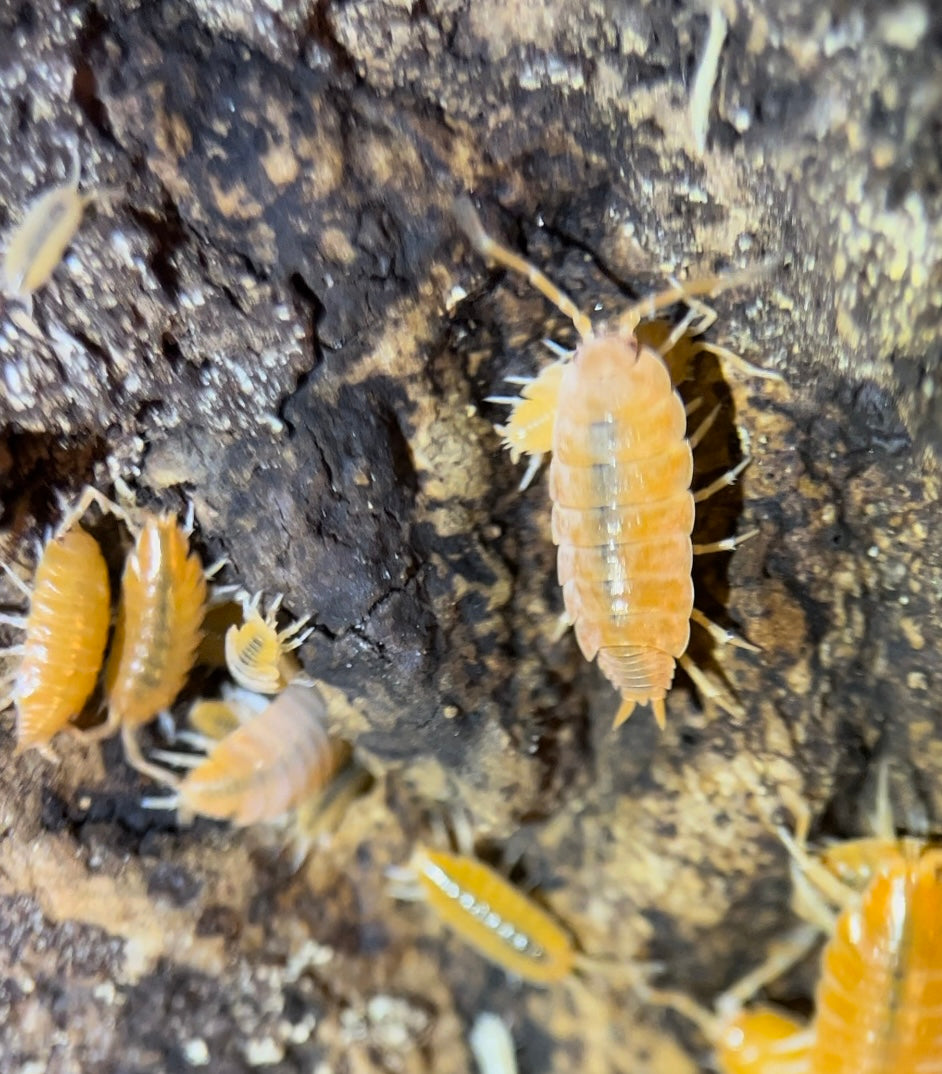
x=275, y=317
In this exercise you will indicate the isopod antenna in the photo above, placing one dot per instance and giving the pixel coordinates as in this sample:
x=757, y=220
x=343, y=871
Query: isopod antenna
x=491, y=250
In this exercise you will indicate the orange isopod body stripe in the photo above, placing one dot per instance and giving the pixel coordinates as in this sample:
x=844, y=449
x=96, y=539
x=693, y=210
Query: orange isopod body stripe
x=623, y=513
x=66, y=632
x=163, y=598
x=878, y=1007
x=492, y=916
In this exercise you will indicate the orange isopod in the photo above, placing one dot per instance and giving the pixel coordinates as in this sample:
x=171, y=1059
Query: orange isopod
x=66, y=630
x=878, y=1003
x=159, y=628
x=276, y=759
x=499, y=921
x=505, y=926
x=620, y=476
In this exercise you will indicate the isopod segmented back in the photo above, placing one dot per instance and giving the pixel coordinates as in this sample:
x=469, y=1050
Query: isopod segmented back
x=66, y=629
x=620, y=475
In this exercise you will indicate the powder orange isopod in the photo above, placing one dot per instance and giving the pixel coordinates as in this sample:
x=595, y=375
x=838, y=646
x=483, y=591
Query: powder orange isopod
x=66, y=629
x=499, y=921
x=159, y=628
x=620, y=476
x=276, y=758
x=878, y=1003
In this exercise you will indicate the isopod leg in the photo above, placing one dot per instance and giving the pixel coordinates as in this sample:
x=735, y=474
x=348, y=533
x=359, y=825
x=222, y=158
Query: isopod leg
x=42, y=748
x=743, y=364
x=816, y=888
x=634, y=975
x=136, y=759
x=703, y=428
x=75, y=174
x=721, y=634
x=557, y=349
x=683, y=292
x=179, y=760
x=563, y=623
x=99, y=732
x=16, y=580
x=463, y=831
x=722, y=482
x=88, y=496
x=703, y=1018
x=707, y=314
x=708, y=690
x=533, y=468
x=678, y=332
x=790, y=950
x=882, y=823
x=726, y=545
x=782, y=956
x=169, y=801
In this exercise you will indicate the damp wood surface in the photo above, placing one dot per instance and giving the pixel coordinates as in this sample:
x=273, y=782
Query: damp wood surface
x=277, y=318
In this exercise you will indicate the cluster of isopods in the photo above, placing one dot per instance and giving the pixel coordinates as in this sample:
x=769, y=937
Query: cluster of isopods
x=623, y=512
x=257, y=756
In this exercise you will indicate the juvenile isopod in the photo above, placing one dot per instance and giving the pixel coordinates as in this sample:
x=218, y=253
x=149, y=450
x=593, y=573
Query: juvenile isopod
x=39, y=241
x=620, y=475
x=158, y=631
x=65, y=628
x=878, y=1002
x=278, y=756
x=259, y=655
x=499, y=921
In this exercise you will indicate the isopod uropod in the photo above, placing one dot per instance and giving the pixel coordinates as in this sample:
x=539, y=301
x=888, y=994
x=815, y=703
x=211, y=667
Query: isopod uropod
x=620, y=476
x=66, y=629
x=878, y=1003
x=258, y=654
x=279, y=755
x=37, y=244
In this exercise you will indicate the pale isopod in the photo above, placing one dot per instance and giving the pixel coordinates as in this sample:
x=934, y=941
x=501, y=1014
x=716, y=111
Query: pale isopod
x=66, y=629
x=272, y=762
x=259, y=655
x=36, y=246
x=620, y=475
